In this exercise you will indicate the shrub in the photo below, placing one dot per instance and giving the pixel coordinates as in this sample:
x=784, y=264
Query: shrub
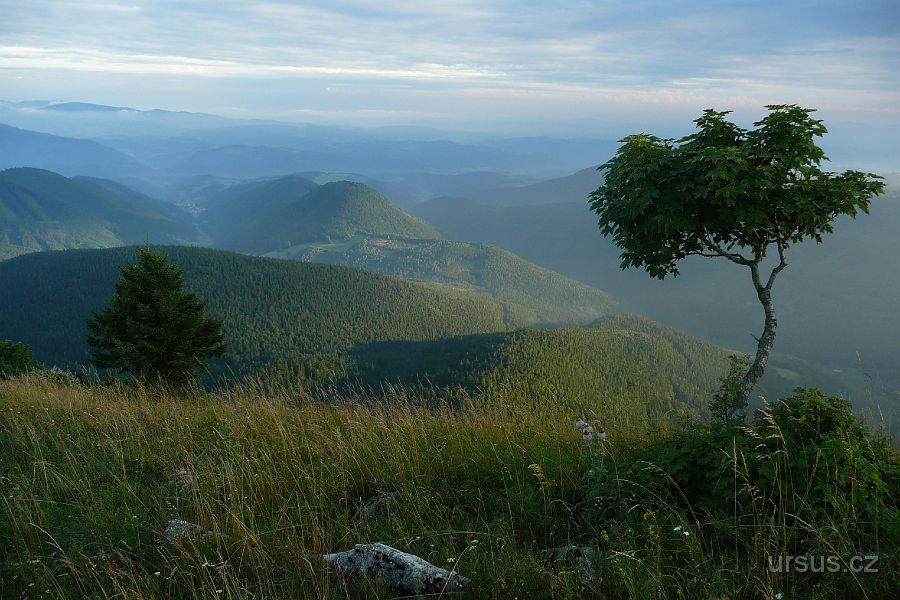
x=15, y=358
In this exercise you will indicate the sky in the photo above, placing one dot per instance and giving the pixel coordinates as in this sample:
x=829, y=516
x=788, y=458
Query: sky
x=536, y=67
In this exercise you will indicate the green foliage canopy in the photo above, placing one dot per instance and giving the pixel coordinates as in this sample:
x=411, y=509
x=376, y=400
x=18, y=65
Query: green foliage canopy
x=15, y=358
x=153, y=329
x=723, y=188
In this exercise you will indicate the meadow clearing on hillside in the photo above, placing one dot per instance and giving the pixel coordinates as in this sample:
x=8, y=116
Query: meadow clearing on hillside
x=90, y=477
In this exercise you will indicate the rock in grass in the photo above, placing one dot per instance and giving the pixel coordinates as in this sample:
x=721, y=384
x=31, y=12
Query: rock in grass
x=375, y=506
x=183, y=478
x=582, y=558
x=177, y=532
x=396, y=570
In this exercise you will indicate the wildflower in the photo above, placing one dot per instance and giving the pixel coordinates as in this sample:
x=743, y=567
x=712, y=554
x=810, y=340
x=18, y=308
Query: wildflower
x=157, y=573
x=679, y=528
x=587, y=433
x=601, y=434
x=580, y=424
x=451, y=560
x=604, y=535
x=779, y=596
x=686, y=533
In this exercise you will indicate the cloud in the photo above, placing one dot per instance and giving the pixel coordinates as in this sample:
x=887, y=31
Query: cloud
x=520, y=58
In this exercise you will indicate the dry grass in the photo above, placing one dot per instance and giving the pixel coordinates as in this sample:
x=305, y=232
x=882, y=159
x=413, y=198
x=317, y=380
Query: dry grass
x=88, y=480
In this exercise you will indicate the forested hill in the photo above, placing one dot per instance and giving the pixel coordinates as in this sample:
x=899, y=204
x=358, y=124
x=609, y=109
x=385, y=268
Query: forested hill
x=42, y=210
x=530, y=295
x=334, y=211
x=290, y=322
x=624, y=367
x=350, y=224
x=288, y=319
x=242, y=206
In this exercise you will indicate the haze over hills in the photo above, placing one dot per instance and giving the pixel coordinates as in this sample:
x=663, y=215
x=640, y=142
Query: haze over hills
x=332, y=212
x=546, y=222
x=41, y=210
x=182, y=144
x=348, y=223
x=232, y=209
x=572, y=188
x=828, y=312
x=344, y=223
x=68, y=156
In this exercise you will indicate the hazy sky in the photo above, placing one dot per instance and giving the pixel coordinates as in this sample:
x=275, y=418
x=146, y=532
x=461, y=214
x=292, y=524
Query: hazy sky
x=537, y=66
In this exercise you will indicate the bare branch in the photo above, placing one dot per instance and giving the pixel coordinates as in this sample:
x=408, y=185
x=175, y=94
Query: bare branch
x=719, y=251
x=781, y=264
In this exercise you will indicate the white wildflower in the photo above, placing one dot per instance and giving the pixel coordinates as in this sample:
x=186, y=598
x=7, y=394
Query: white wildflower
x=779, y=596
x=679, y=528
x=580, y=424
x=587, y=433
x=451, y=560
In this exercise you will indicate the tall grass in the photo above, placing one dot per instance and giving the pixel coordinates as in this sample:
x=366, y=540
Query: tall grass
x=88, y=479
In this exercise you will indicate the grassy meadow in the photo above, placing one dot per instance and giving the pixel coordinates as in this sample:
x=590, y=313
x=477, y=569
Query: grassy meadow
x=90, y=476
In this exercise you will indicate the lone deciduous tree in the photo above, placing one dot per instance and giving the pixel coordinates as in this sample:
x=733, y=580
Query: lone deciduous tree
x=731, y=193
x=153, y=329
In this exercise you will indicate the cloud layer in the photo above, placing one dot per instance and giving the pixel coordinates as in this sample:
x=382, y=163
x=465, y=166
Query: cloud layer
x=523, y=64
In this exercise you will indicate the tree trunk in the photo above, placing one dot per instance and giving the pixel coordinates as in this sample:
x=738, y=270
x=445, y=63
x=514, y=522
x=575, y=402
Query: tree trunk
x=766, y=340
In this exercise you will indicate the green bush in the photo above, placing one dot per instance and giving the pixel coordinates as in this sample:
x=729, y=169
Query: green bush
x=15, y=358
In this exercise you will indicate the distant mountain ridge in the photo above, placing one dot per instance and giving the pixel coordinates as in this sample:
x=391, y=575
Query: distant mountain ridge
x=64, y=155
x=334, y=211
x=835, y=301
x=42, y=210
x=349, y=223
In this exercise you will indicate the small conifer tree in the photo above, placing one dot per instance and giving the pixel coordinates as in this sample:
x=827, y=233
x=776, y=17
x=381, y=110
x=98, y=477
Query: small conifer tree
x=153, y=329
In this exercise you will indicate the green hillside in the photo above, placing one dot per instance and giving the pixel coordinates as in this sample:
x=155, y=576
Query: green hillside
x=334, y=211
x=241, y=206
x=41, y=210
x=529, y=294
x=288, y=319
x=290, y=322
x=350, y=224
x=623, y=368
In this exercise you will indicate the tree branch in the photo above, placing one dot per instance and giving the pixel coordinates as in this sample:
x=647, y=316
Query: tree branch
x=781, y=264
x=719, y=251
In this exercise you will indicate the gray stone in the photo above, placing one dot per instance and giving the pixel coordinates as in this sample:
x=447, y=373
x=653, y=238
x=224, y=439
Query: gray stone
x=583, y=558
x=375, y=506
x=396, y=570
x=177, y=532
